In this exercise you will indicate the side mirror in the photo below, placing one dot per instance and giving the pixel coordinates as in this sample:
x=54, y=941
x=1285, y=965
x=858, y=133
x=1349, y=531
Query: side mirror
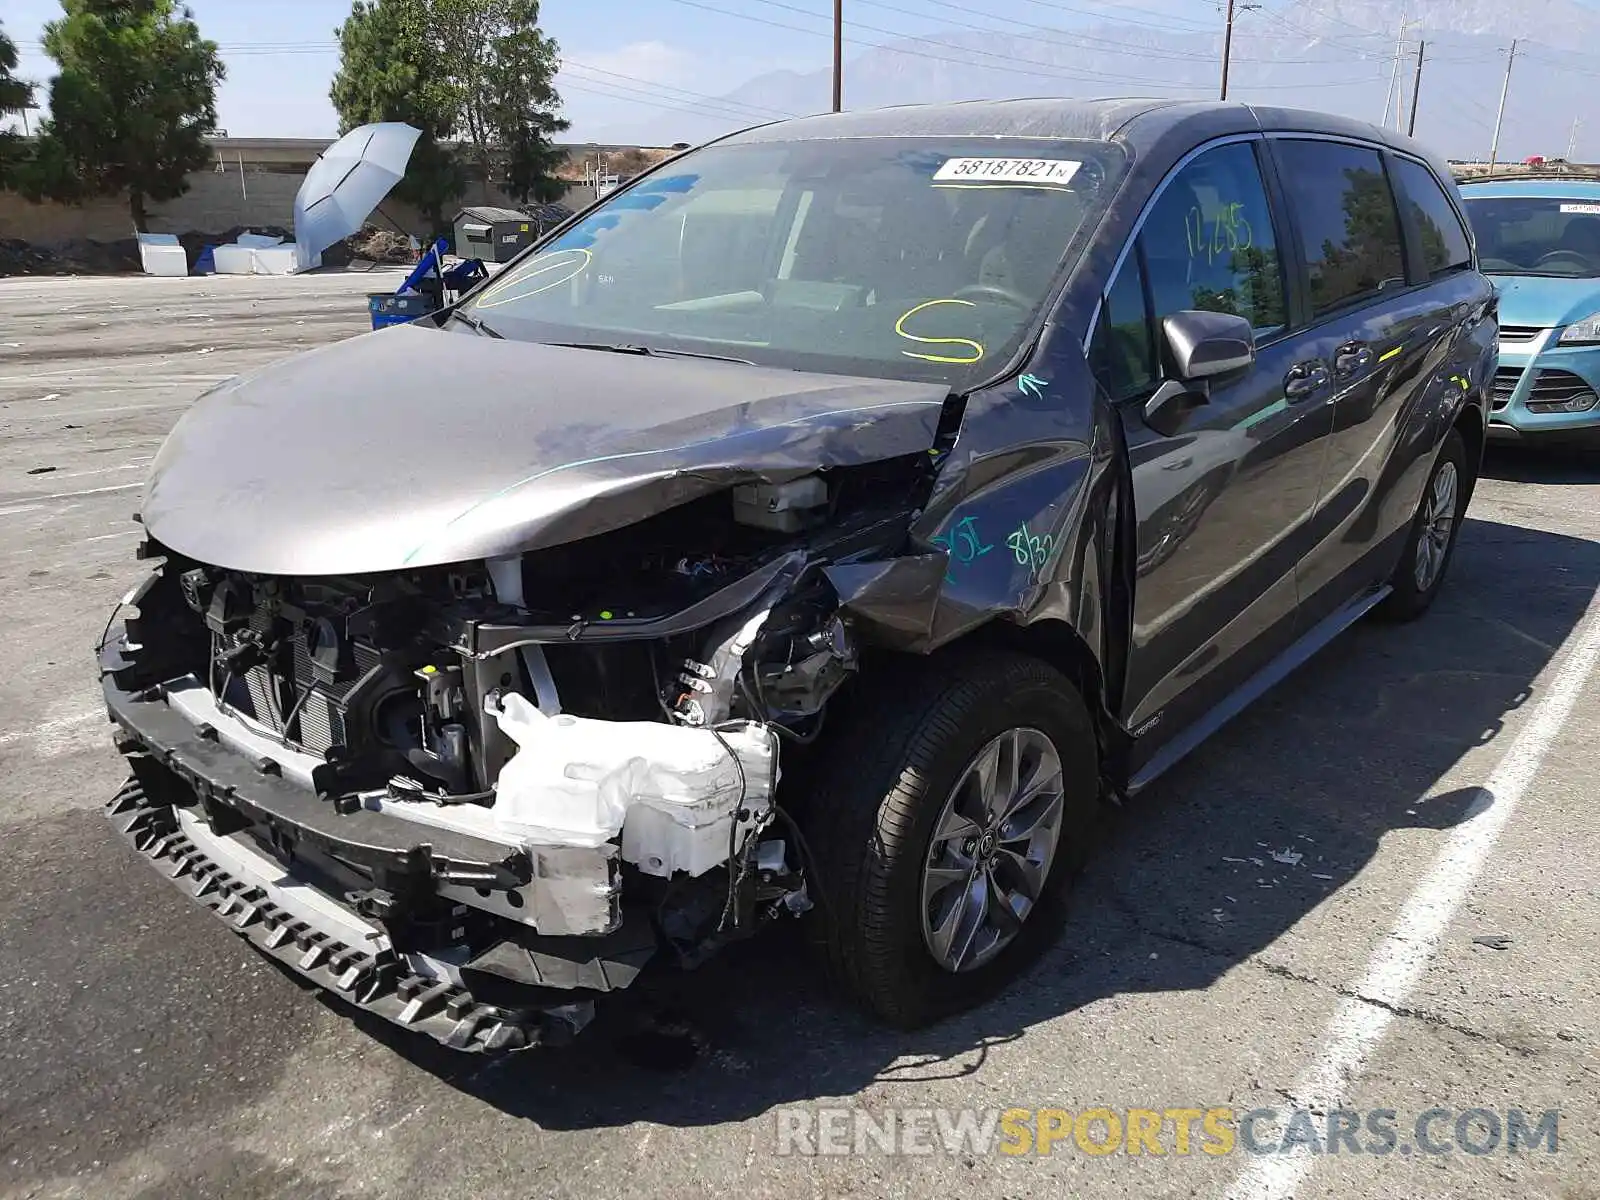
x=1204, y=345
x=1207, y=344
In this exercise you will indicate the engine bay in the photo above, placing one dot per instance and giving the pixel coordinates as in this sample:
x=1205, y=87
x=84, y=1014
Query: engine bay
x=614, y=710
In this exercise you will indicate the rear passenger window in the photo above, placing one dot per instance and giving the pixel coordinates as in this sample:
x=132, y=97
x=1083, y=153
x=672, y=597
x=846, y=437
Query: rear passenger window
x=1445, y=246
x=1209, y=244
x=1349, y=227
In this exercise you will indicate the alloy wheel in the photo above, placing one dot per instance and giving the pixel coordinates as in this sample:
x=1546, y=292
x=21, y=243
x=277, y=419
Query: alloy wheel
x=992, y=848
x=1438, y=523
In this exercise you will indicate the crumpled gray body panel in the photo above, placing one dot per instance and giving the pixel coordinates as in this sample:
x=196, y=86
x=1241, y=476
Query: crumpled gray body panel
x=411, y=446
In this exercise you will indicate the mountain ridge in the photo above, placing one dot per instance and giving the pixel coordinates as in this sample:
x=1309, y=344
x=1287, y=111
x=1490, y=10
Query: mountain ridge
x=1298, y=56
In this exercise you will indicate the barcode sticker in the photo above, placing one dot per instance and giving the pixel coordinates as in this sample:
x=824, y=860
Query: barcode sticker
x=1006, y=170
x=1591, y=209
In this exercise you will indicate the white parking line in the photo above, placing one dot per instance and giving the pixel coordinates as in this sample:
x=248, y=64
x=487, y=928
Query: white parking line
x=1396, y=966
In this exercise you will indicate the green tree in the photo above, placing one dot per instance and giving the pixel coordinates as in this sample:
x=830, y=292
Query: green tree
x=15, y=94
x=508, y=106
x=477, y=70
x=532, y=159
x=131, y=107
x=388, y=72
x=1370, y=255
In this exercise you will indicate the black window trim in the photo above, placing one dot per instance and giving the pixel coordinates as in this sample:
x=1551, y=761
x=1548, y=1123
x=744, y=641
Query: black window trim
x=1413, y=235
x=1302, y=281
x=1289, y=257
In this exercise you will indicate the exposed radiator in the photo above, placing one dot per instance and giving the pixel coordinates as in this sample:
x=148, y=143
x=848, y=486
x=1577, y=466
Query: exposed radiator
x=318, y=714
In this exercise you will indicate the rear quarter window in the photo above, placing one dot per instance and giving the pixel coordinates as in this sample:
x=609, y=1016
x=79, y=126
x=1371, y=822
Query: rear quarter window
x=1444, y=242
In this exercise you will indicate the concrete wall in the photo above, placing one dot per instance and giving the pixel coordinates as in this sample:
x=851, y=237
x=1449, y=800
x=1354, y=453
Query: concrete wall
x=214, y=203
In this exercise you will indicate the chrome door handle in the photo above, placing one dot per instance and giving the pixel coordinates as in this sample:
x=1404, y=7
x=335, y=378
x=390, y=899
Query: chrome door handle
x=1306, y=379
x=1352, y=357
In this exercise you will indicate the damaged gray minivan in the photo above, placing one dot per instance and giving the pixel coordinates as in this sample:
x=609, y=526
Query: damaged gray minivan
x=824, y=527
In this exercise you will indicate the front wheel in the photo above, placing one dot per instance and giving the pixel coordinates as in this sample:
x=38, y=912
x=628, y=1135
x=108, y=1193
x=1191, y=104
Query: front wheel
x=1432, y=540
x=948, y=826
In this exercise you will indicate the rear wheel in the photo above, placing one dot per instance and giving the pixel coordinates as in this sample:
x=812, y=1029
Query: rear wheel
x=948, y=826
x=1432, y=541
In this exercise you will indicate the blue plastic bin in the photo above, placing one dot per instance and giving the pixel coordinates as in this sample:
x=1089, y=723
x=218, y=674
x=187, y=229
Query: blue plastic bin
x=391, y=308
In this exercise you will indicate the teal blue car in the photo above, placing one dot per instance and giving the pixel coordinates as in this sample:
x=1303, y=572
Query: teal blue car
x=1539, y=240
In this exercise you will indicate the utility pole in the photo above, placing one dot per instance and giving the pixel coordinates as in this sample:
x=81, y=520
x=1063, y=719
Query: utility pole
x=1227, y=49
x=1227, y=38
x=1416, y=88
x=1572, y=142
x=1505, y=89
x=1393, y=96
x=838, y=55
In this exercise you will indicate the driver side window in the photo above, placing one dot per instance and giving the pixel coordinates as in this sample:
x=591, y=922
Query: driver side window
x=1207, y=243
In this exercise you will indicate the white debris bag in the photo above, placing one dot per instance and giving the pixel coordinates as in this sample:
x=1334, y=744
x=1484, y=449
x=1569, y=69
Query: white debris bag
x=670, y=791
x=162, y=254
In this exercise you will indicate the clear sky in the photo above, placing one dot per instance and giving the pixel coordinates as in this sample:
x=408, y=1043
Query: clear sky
x=625, y=58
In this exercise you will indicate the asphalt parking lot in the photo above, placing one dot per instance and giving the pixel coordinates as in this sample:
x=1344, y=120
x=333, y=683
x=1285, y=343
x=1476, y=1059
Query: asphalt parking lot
x=1426, y=949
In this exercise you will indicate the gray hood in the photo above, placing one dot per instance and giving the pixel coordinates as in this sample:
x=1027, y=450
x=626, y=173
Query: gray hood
x=413, y=446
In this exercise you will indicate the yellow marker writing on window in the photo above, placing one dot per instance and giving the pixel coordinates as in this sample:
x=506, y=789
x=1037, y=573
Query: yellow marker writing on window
x=562, y=264
x=976, y=347
x=1227, y=231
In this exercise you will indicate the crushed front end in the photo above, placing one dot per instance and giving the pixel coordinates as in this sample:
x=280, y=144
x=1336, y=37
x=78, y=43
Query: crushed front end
x=474, y=799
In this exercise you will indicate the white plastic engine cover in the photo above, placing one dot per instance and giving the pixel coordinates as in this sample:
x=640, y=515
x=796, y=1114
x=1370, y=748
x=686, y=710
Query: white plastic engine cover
x=670, y=791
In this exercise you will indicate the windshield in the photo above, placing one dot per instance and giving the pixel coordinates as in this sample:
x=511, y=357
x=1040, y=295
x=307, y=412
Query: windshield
x=1528, y=235
x=901, y=258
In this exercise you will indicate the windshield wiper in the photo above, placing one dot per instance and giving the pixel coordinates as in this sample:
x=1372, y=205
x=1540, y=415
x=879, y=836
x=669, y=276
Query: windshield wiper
x=476, y=325
x=652, y=351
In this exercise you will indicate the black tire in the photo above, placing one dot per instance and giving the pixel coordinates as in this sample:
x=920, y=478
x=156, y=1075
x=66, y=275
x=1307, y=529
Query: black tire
x=1409, y=599
x=909, y=734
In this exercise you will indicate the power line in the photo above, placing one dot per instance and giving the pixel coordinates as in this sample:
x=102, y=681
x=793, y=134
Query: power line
x=1088, y=42
x=1052, y=69
x=1010, y=63
x=1165, y=22
x=1015, y=65
x=1072, y=40
x=651, y=83
x=1300, y=31
x=687, y=107
x=1360, y=30
x=708, y=106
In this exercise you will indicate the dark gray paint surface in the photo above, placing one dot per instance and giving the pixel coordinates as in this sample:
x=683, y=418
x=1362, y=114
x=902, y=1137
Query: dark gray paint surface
x=1045, y=514
x=411, y=446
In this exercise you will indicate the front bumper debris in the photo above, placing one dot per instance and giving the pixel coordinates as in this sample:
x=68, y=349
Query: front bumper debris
x=555, y=889
x=329, y=946
x=486, y=946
